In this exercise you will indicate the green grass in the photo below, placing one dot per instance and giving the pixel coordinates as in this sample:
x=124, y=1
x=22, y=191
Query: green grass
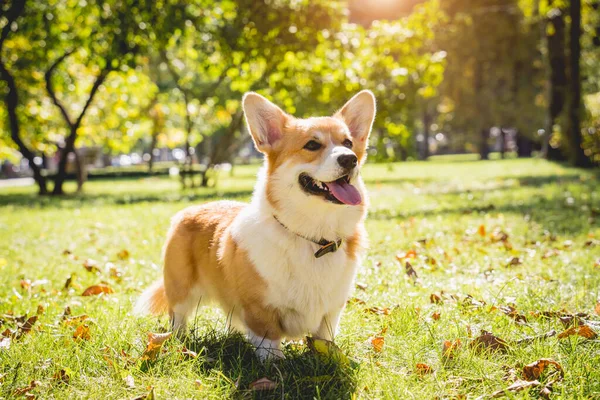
x=549, y=212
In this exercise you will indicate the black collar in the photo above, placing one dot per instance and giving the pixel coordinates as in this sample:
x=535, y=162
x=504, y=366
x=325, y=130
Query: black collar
x=327, y=246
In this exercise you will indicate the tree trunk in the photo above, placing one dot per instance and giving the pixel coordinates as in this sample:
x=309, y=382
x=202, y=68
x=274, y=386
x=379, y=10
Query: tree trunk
x=502, y=143
x=426, y=125
x=558, y=82
x=484, y=149
x=11, y=99
x=80, y=170
x=578, y=156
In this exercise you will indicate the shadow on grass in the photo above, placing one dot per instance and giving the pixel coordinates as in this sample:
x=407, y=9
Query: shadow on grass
x=301, y=375
x=76, y=201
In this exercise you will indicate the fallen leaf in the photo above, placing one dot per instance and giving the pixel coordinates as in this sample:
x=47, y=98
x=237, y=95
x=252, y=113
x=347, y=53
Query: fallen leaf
x=97, y=289
x=22, y=391
x=76, y=320
x=513, y=261
x=582, y=330
x=410, y=271
x=115, y=273
x=488, y=341
x=40, y=309
x=147, y=396
x=198, y=384
x=155, y=342
x=123, y=254
x=597, y=308
x=25, y=328
x=263, y=384
x=436, y=316
x=378, y=310
x=481, y=230
x=409, y=254
x=361, y=286
x=435, y=299
x=423, y=369
x=82, y=332
x=25, y=284
x=62, y=376
x=327, y=349
x=534, y=370
x=355, y=300
x=551, y=253
x=516, y=387
x=377, y=342
x=450, y=348
x=513, y=313
x=69, y=281
x=499, y=236
x=187, y=353
x=91, y=266
x=66, y=312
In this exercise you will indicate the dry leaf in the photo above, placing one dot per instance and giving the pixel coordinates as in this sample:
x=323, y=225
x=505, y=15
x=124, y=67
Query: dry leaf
x=410, y=271
x=40, y=309
x=25, y=328
x=148, y=396
x=516, y=387
x=436, y=316
x=61, y=376
x=123, y=254
x=22, y=391
x=187, y=353
x=91, y=266
x=97, y=289
x=25, y=284
x=377, y=342
x=582, y=330
x=514, y=261
x=488, y=341
x=481, y=230
x=423, y=369
x=435, y=299
x=597, y=308
x=450, y=348
x=66, y=312
x=534, y=370
x=412, y=254
x=76, y=320
x=155, y=342
x=355, y=300
x=361, y=286
x=82, y=332
x=69, y=281
x=263, y=384
x=379, y=310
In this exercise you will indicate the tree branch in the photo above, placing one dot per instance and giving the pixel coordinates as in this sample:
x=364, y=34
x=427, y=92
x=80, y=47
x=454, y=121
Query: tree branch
x=50, y=87
x=97, y=83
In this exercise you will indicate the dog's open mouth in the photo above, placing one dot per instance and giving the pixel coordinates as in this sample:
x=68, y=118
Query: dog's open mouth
x=339, y=191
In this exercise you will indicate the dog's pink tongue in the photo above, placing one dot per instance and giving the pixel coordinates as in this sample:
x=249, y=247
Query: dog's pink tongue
x=344, y=192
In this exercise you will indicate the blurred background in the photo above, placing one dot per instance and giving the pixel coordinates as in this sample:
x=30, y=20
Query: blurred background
x=94, y=89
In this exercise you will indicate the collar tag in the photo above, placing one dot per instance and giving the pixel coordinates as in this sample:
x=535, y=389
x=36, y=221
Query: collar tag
x=330, y=247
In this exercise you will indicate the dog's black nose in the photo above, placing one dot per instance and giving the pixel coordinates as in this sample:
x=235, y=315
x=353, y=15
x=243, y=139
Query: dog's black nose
x=347, y=161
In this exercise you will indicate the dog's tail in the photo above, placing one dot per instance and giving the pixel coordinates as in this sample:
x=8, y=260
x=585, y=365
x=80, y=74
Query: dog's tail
x=153, y=300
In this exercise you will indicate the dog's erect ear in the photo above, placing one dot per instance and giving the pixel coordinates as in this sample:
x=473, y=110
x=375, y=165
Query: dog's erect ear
x=358, y=114
x=265, y=121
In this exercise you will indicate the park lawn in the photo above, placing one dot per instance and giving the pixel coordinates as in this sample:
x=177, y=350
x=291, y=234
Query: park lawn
x=481, y=237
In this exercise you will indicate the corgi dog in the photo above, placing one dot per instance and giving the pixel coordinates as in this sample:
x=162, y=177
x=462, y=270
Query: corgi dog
x=282, y=266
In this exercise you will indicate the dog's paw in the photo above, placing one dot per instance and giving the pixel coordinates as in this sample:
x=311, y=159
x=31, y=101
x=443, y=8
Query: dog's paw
x=269, y=353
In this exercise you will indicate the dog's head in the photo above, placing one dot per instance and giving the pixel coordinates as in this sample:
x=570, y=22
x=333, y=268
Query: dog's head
x=312, y=161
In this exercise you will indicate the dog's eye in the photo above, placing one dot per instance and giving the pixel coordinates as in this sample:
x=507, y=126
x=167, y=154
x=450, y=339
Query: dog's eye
x=313, y=145
x=347, y=143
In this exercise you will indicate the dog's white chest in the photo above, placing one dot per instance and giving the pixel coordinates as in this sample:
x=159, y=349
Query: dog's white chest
x=302, y=287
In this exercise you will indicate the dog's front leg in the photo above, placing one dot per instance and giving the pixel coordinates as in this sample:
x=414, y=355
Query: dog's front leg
x=263, y=331
x=329, y=325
